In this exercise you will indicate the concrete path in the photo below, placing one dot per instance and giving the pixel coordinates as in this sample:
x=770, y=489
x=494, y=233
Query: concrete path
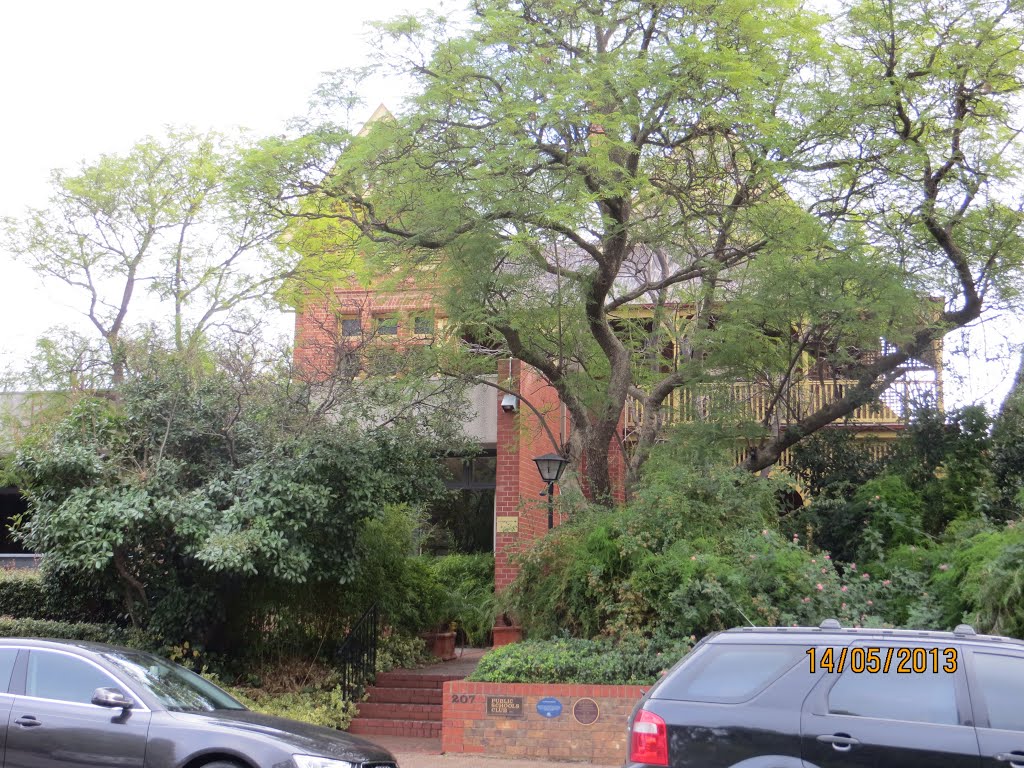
x=420, y=760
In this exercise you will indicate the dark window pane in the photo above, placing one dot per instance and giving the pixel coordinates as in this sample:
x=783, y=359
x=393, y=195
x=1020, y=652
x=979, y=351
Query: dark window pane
x=1001, y=679
x=730, y=672
x=424, y=325
x=485, y=470
x=387, y=326
x=7, y=658
x=455, y=468
x=351, y=327
x=64, y=678
x=919, y=697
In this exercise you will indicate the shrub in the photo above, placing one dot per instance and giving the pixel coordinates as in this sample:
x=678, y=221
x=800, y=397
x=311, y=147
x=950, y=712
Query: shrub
x=328, y=708
x=31, y=594
x=631, y=661
x=466, y=587
x=63, y=630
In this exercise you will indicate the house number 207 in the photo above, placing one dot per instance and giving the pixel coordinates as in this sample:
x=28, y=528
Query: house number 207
x=463, y=698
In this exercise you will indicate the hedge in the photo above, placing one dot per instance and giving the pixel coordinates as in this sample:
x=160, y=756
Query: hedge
x=67, y=630
x=26, y=594
x=635, y=661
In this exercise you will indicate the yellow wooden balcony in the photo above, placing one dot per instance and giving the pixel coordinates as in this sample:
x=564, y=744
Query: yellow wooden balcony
x=750, y=401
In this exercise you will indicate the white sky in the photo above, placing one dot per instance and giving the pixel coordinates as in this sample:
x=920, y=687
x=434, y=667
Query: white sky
x=83, y=78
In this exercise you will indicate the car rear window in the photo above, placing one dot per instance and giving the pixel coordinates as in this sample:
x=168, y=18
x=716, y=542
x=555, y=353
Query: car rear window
x=1001, y=679
x=729, y=672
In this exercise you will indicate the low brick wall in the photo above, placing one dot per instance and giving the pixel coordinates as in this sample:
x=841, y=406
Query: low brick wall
x=585, y=723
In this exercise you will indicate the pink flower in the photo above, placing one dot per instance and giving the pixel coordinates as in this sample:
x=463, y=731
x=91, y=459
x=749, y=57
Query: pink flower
x=824, y=570
x=693, y=557
x=828, y=557
x=814, y=561
x=842, y=605
x=820, y=586
x=806, y=600
x=866, y=576
x=886, y=582
x=764, y=531
x=944, y=567
x=844, y=588
x=853, y=566
x=871, y=602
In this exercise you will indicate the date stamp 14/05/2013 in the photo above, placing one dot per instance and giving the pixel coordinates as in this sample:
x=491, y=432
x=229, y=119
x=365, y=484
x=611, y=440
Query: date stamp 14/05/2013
x=873, y=660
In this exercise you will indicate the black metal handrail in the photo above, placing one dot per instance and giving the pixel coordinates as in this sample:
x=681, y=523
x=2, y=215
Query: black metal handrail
x=357, y=654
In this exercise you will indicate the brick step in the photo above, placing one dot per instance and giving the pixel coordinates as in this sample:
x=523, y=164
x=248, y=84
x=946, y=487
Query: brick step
x=369, y=726
x=403, y=695
x=390, y=711
x=411, y=680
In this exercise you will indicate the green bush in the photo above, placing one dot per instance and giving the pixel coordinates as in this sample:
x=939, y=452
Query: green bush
x=632, y=661
x=63, y=630
x=328, y=708
x=466, y=588
x=31, y=594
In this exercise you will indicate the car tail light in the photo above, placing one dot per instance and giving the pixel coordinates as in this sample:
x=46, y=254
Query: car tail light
x=648, y=739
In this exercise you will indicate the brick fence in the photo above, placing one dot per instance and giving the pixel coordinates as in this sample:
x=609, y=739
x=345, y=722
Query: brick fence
x=584, y=722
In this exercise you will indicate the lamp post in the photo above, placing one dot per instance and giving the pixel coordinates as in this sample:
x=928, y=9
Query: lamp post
x=550, y=466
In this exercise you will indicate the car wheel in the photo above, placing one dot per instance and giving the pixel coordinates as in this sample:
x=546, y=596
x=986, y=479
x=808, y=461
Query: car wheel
x=223, y=764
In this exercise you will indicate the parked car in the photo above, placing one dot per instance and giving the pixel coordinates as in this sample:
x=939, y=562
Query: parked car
x=69, y=704
x=830, y=697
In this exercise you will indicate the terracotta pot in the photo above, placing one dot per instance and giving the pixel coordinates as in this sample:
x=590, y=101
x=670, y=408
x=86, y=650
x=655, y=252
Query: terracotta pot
x=503, y=635
x=441, y=644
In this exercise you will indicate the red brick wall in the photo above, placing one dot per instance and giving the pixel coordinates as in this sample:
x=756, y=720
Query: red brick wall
x=466, y=726
x=521, y=438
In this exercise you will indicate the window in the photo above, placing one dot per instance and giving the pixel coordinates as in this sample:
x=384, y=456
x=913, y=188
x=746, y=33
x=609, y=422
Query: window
x=7, y=658
x=387, y=326
x=350, y=326
x=64, y=678
x=423, y=325
x=177, y=688
x=1001, y=679
x=927, y=697
x=730, y=673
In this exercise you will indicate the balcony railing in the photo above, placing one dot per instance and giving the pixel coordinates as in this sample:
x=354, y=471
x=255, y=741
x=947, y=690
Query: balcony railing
x=750, y=401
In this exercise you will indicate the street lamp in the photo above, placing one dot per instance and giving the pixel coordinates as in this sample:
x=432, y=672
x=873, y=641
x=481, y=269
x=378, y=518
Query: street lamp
x=550, y=466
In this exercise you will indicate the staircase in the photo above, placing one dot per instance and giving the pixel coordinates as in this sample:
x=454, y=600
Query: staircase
x=403, y=703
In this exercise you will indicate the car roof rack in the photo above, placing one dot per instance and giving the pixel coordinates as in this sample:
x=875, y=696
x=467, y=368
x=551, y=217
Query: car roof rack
x=831, y=624
x=963, y=630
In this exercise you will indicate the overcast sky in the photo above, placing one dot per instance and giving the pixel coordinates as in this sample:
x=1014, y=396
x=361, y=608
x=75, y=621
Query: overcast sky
x=83, y=78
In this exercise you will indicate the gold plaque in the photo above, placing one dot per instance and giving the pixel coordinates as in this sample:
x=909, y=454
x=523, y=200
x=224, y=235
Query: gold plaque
x=508, y=524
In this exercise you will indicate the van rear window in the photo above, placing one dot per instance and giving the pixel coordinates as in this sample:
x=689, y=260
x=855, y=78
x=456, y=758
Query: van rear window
x=729, y=673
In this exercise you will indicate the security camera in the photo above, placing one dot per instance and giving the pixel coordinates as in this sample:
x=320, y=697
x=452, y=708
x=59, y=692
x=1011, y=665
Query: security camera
x=510, y=403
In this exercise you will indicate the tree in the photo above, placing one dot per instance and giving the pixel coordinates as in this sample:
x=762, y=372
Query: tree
x=770, y=192
x=169, y=217
x=213, y=492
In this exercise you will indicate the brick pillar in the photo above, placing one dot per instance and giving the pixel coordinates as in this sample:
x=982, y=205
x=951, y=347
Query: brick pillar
x=521, y=438
x=506, y=493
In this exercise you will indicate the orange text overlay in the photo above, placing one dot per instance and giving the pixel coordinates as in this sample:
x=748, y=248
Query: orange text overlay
x=905, y=661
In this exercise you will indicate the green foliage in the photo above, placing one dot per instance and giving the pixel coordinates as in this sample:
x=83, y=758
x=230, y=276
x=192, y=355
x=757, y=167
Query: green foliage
x=29, y=594
x=831, y=464
x=697, y=551
x=946, y=459
x=467, y=587
x=64, y=630
x=210, y=504
x=396, y=650
x=328, y=708
x=629, y=661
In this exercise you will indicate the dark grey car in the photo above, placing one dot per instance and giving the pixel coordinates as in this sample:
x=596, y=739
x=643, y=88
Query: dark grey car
x=68, y=704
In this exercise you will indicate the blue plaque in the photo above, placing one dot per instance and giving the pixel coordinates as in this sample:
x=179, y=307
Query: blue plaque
x=549, y=707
